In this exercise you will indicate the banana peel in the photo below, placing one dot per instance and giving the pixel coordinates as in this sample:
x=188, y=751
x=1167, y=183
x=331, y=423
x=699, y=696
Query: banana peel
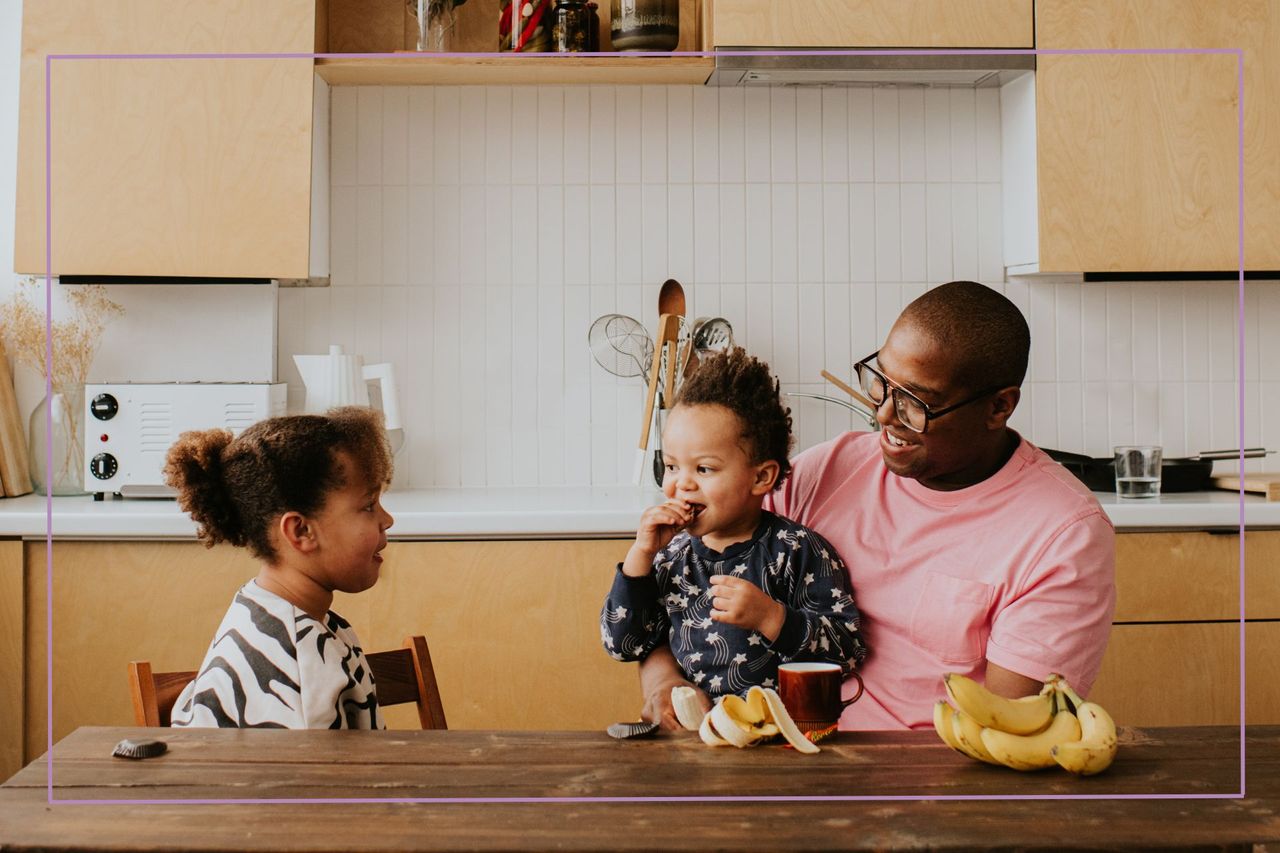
x=734, y=721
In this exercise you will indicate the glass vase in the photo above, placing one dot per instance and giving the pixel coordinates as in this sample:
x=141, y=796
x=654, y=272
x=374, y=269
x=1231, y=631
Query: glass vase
x=436, y=20
x=64, y=437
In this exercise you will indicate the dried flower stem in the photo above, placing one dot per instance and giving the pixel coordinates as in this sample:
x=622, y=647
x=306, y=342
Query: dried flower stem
x=75, y=342
x=75, y=339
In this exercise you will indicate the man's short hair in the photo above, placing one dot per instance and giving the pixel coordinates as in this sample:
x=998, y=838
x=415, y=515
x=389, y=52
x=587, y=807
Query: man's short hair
x=984, y=330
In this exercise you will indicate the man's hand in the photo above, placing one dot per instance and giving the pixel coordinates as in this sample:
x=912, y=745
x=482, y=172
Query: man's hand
x=739, y=602
x=658, y=674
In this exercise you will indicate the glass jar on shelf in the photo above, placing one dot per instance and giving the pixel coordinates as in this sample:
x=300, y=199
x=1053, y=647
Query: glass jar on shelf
x=436, y=20
x=571, y=27
x=645, y=24
x=524, y=26
x=593, y=33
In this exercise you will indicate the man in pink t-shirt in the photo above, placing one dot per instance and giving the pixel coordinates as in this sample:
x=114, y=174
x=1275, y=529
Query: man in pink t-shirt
x=969, y=550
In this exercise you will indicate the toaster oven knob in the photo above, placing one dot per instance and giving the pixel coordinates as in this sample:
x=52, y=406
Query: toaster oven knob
x=104, y=407
x=103, y=466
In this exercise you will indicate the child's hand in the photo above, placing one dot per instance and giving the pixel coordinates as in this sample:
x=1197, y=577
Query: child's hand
x=739, y=602
x=657, y=704
x=658, y=526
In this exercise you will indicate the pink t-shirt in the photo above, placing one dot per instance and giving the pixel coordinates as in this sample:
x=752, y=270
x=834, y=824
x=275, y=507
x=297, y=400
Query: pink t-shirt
x=1018, y=570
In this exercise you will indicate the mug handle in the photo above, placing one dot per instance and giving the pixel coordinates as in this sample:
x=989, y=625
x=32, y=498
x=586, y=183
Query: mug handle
x=845, y=703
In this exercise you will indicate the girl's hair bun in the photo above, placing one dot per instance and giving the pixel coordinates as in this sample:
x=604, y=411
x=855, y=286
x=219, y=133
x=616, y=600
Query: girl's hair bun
x=193, y=468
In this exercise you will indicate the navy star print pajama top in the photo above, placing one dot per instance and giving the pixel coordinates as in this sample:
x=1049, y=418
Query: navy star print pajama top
x=672, y=604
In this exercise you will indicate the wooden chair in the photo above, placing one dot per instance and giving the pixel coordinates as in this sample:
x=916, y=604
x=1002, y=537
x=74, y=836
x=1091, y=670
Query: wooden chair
x=402, y=675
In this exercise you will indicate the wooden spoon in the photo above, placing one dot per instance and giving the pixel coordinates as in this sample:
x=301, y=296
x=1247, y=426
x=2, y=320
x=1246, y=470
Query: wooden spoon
x=846, y=388
x=671, y=298
x=671, y=301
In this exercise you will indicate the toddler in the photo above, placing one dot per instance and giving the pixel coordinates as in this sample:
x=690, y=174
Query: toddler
x=302, y=493
x=734, y=589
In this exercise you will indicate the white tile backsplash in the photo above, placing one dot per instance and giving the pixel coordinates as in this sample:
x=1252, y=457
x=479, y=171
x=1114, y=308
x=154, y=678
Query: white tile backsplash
x=476, y=232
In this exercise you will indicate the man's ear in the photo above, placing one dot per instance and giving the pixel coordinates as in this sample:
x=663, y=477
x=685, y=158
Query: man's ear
x=297, y=532
x=1003, y=402
x=766, y=476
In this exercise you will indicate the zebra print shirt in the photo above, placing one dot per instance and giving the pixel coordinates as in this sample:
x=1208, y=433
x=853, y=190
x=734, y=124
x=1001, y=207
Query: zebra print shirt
x=273, y=666
x=672, y=604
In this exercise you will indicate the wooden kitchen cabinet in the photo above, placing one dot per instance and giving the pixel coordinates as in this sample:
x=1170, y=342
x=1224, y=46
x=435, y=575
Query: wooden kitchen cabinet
x=514, y=630
x=512, y=627
x=167, y=167
x=515, y=639
x=12, y=661
x=1174, y=653
x=1137, y=155
x=872, y=23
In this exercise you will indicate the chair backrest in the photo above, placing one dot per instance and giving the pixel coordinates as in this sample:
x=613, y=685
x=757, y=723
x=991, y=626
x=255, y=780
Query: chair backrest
x=401, y=675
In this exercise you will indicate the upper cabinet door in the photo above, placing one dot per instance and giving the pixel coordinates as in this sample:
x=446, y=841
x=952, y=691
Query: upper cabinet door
x=170, y=167
x=1138, y=154
x=872, y=23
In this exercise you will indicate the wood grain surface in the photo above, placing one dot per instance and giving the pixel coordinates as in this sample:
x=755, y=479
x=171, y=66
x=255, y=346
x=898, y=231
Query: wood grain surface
x=513, y=627
x=1138, y=154
x=15, y=476
x=1195, y=575
x=167, y=167
x=755, y=783
x=12, y=660
x=871, y=23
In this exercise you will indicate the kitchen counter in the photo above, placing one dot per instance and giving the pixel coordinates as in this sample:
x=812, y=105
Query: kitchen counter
x=554, y=512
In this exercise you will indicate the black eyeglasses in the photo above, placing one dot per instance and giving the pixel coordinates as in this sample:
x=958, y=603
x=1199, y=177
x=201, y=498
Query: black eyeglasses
x=913, y=413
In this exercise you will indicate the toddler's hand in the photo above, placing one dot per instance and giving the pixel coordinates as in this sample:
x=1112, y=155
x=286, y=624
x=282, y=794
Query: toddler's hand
x=659, y=525
x=739, y=602
x=658, y=709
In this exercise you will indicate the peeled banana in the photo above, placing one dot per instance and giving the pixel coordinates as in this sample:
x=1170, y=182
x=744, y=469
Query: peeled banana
x=733, y=721
x=1098, y=744
x=1029, y=733
x=684, y=701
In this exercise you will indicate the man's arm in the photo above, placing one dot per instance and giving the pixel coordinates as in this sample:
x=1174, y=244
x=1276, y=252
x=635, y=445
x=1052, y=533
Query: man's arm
x=1005, y=682
x=659, y=672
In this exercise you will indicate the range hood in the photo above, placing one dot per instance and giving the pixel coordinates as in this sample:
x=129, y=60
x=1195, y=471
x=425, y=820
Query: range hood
x=759, y=67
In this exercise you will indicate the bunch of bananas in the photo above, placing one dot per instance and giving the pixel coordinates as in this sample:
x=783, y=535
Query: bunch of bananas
x=1027, y=733
x=734, y=721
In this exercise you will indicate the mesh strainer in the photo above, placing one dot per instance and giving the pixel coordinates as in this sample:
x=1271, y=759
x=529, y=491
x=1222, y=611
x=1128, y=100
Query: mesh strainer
x=621, y=345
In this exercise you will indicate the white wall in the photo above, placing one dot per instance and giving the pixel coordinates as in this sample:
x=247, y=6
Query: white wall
x=477, y=232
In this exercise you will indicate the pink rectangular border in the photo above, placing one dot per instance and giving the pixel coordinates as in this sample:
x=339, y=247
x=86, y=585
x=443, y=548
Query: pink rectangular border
x=551, y=57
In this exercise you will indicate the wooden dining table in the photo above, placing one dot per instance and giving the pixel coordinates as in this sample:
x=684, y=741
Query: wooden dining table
x=1169, y=788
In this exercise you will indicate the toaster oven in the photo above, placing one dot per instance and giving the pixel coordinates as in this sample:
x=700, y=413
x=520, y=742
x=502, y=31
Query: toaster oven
x=129, y=427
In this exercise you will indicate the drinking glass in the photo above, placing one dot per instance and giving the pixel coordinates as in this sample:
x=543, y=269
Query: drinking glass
x=1138, y=471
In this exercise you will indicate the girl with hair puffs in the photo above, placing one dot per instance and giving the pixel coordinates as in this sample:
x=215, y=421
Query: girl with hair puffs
x=302, y=494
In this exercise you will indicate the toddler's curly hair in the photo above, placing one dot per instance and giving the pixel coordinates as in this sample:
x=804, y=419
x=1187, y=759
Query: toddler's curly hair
x=235, y=488
x=744, y=385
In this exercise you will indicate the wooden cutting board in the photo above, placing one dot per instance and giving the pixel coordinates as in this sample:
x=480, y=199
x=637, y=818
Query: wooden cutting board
x=15, y=478
x=1266, y=483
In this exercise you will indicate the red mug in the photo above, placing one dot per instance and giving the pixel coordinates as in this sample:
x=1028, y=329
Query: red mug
x=811, y=693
